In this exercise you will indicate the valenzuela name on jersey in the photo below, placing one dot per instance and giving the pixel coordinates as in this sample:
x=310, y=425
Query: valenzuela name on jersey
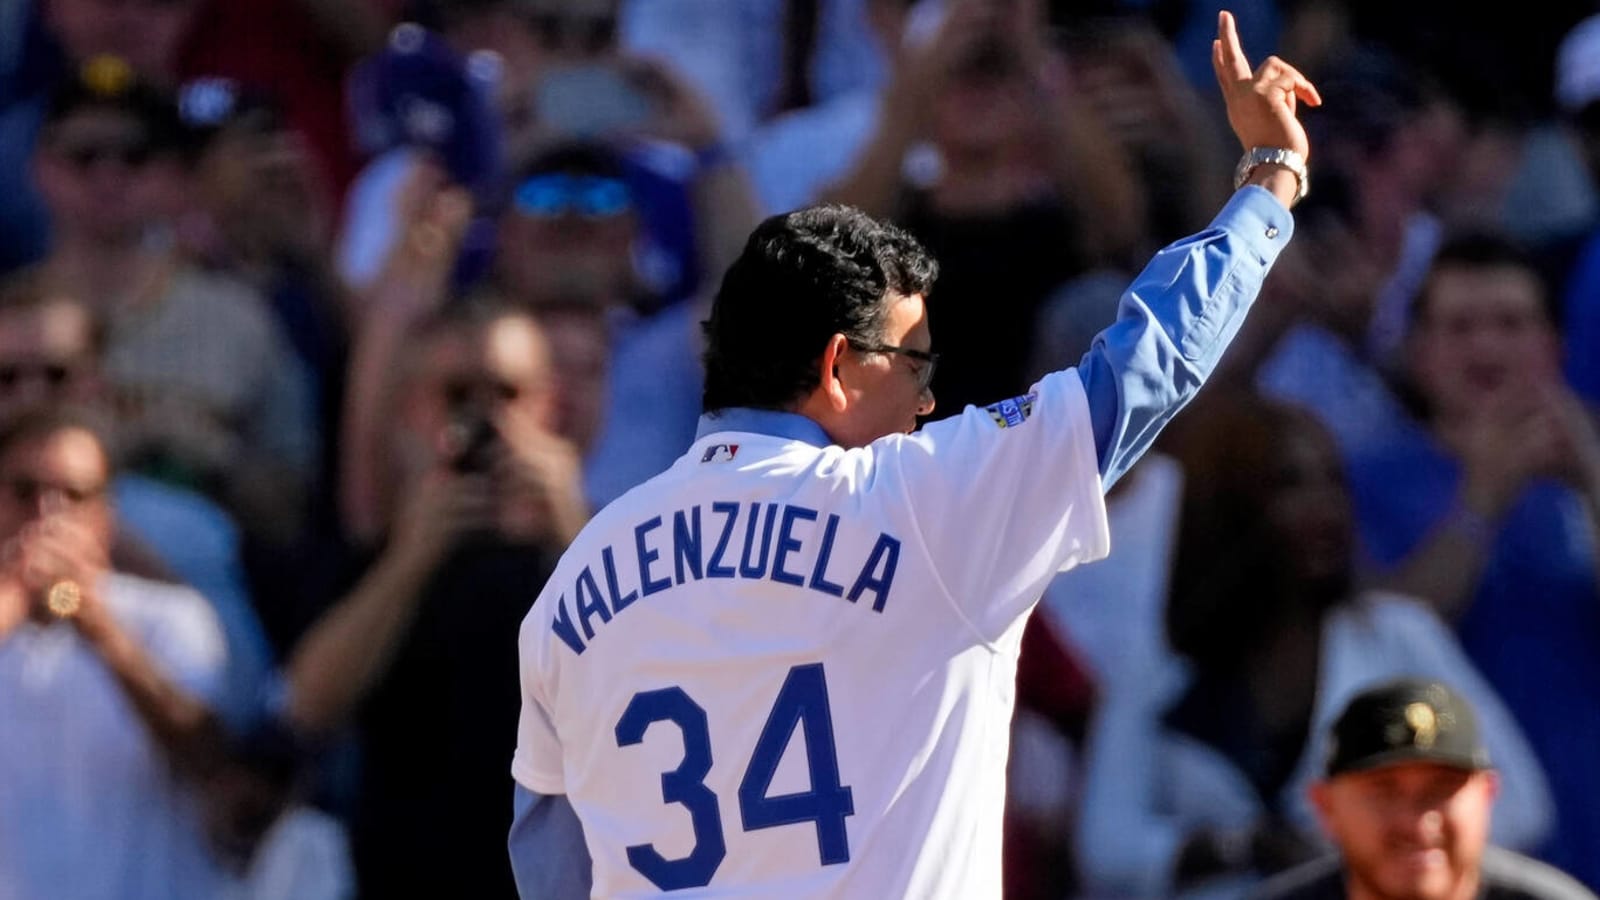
x=666, y=554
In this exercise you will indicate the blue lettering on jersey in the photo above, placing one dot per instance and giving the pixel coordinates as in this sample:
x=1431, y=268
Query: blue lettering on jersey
x=648, y=555
x=888, y=550
x=788, y=543
x=749, y=568
x=619, y=601
x=594, y=606
x=716, y=569
x=562, y=626
x=782, y=560
x=686, y=543
x=818, y=581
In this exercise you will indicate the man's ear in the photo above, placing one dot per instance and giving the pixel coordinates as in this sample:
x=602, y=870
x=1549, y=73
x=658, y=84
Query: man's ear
x=831, y=384
x=1322, y=803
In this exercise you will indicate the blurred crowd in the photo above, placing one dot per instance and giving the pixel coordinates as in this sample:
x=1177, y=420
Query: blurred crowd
x=326, y=324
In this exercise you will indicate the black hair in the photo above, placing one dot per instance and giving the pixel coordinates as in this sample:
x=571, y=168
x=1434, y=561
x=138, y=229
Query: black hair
x=1481, y=250
x=803, y=277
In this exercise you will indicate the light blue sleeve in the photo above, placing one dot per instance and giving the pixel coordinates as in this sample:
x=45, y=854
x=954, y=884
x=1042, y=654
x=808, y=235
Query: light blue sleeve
x=1173, y=323
x=548, y=856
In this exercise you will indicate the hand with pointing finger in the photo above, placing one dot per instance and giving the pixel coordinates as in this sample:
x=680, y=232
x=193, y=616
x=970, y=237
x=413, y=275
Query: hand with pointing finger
x=1262, y=104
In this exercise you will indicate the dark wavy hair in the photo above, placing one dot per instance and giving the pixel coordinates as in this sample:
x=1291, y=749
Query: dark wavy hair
x=803, y=277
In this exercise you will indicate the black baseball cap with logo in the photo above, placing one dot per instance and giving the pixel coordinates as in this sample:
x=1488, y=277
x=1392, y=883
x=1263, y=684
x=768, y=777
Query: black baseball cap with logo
x=1407, y=720
x=108, y=83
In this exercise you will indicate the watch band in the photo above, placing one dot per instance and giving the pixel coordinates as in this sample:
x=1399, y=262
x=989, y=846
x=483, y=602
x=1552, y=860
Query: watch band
x=1282, y=156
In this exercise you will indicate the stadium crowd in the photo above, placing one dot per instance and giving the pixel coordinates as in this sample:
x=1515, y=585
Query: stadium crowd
x=326, y=324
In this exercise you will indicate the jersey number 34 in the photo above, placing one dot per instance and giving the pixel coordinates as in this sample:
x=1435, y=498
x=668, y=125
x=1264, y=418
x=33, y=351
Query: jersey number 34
x=802, y=702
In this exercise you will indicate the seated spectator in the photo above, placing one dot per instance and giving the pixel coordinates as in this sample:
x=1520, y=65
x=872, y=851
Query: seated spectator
x=209, y=394
x=421, y=654
x=105, y=686
x=1406, y=797
x=1197, y=773
x=1490, y=515
x=50, y=354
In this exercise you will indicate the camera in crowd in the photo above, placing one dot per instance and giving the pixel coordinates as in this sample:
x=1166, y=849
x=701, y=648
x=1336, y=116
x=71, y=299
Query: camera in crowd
x=473, y=442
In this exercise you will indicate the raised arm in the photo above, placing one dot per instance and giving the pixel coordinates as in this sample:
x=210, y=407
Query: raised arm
x=1184, y=308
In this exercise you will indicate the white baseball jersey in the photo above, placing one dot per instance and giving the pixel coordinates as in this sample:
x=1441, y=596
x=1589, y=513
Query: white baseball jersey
x=786, y=669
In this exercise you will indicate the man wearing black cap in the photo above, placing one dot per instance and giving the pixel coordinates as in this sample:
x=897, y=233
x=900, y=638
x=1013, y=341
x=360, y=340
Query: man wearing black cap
x=1406, y=799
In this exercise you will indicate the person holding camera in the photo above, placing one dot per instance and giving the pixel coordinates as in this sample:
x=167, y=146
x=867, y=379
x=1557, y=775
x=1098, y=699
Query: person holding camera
x=420, y=655
x=108, y=686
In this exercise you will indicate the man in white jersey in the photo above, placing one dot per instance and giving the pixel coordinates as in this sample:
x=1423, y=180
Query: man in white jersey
x=785, y=666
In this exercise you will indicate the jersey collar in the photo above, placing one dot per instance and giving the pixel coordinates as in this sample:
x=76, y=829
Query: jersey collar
x=763, y=421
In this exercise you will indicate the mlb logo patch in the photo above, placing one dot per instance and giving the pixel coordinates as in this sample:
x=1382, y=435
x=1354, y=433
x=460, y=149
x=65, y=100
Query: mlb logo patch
x=720, y=453
x=1013, y=412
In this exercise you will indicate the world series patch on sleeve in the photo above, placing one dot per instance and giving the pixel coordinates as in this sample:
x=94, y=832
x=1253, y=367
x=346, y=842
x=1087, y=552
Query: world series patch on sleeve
x=1013, y=412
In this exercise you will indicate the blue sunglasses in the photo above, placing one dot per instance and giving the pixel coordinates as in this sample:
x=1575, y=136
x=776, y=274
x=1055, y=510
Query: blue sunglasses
x=590, y=196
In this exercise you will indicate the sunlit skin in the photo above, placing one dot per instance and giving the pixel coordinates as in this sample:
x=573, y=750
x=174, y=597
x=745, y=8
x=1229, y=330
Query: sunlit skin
x=580, y=354
x=1409, y=831
x=505, y=363
x=39, y=343
x=53, y=481
x=864, y=395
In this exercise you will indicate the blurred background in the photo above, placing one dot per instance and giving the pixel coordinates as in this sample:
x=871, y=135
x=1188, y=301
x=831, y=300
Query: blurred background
x=325, y=324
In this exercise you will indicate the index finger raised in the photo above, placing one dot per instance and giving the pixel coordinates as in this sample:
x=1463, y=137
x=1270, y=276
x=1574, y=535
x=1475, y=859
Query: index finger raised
x=1233, y=62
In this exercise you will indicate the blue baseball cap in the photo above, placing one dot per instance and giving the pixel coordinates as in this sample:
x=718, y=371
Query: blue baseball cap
x=419, y=92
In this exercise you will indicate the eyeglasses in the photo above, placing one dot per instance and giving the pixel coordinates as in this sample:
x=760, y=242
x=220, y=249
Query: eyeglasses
x=590, y=196
x=929, y=361
x=53, y=374
x=28, y=491
x=129, y=154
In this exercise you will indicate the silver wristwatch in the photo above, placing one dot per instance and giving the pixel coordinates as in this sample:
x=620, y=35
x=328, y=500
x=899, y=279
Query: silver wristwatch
x=1260, y=156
